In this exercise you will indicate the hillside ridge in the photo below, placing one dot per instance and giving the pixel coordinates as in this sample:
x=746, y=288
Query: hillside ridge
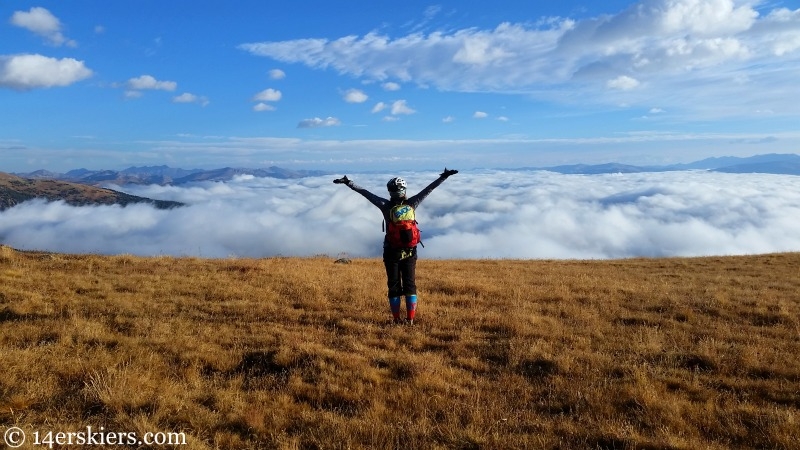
x=15, y=190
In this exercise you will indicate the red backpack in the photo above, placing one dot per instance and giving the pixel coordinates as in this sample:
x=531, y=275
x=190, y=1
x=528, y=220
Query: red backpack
x=402, y=230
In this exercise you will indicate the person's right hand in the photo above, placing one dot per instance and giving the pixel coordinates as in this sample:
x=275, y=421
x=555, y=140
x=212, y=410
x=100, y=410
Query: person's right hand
x=343, y=180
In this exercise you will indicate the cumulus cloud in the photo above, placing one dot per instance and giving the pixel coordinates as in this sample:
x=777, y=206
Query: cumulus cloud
x=480, y=115
x=401, y=107
x=263, y=107
x=449, y=119
x=25, y=72
x=187, y=97
x=624, y=83
x=391, y=86
x=398, y=107
x=355, y=96
x=476, y=214
x=380, y=106
x=148, y=82
x=701, y=48
x=268, y=95
x=277, y=74
x=703, y=18
x=42, y=22
x=316, y=122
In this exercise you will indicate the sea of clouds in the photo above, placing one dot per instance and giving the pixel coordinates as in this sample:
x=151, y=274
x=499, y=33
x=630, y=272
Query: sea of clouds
x=475, y=214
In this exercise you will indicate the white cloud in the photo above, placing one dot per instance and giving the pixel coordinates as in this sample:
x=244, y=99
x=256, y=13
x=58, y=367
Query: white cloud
x=783, y=22
x=656, y=111
x=380, y=106
x=401, y=107
x=449, y=119
x=42, y=22
x=480, y=50
x=502, y=119
x=355, y=96
x=316, y=122
x=277, y=74
x=703, y=17
x=390, y=86
x=428, y=15
x=187, y=97
x=475, y=214
x=25, y=72
x=701, y=49
x=623, y=83
x=480, y=115
x=263, y=107
x=148, y=82
x=267, y=95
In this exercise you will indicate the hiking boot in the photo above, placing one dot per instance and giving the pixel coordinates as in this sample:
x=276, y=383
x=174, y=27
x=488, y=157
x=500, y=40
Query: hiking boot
x=409, y=321
x=398, y=321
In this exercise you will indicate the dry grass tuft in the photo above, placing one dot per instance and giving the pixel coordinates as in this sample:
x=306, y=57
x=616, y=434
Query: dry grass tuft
x=298, y=353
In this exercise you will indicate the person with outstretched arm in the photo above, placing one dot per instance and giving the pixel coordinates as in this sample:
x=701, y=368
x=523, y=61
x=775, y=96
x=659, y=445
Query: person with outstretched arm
x=402, y=237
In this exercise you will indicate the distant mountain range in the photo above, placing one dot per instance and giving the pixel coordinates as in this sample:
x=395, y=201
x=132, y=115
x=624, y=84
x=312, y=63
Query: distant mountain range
x=164, y=175
x=788, y=164
x=15, y=190
x=784, y=164
x=81, y=186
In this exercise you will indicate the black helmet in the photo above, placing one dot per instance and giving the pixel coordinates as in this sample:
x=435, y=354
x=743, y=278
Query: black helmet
x=396, y=187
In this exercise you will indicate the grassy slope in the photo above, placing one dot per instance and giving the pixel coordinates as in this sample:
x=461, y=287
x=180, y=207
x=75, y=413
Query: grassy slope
x=297, y=353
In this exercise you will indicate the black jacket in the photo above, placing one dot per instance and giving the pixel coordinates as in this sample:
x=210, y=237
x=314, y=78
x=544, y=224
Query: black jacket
x=385, y=205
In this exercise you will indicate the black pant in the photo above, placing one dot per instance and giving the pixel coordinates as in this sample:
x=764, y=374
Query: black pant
x=400, y=273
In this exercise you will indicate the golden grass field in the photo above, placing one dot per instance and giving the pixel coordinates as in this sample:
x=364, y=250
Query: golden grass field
x=286, y=353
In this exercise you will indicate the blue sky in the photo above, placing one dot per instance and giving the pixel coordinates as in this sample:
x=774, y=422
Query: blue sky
x=356, y=86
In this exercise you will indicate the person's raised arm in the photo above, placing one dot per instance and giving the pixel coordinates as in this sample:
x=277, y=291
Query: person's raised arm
x=417, y=199
x=374, y=199
x=343, y=180
x=447, y=173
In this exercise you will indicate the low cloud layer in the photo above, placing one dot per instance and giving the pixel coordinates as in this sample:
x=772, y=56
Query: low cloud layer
x=487, y=214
